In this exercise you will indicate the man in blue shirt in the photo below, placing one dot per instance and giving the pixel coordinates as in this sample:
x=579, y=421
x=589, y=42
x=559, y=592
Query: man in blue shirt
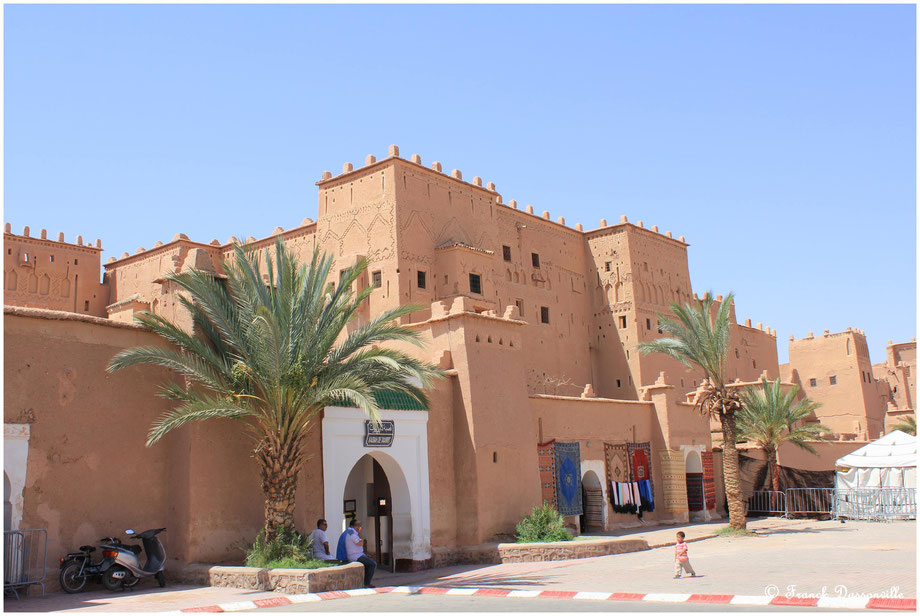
x=353, y=544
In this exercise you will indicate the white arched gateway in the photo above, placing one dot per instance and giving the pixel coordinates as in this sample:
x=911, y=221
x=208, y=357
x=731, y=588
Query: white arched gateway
x=355, y=455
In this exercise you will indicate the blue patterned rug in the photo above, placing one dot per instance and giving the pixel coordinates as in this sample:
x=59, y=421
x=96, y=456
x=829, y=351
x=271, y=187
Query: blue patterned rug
x=568, y=478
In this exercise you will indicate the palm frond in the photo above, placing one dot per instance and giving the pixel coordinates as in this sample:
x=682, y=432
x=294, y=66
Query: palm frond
x=270, y=346
x=770, y=417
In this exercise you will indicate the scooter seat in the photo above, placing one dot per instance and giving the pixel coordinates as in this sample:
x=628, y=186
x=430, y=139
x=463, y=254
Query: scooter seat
x=134, y=548
x=87, y=548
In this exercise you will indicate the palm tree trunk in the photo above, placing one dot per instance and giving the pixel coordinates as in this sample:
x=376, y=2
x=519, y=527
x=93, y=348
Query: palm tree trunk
x=774, y=468
x=731, y=471
x=279, y=464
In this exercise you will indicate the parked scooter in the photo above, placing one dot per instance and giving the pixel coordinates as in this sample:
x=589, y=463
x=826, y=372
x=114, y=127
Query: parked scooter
x=78, y=568
x=126, y=570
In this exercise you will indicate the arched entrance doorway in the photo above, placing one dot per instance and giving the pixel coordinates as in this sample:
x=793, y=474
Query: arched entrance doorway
x=368, y=498
x=397, y=472
x=695, y=499
x=592, y=501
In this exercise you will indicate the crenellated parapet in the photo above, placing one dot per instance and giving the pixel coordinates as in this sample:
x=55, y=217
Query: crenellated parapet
x=43, y=237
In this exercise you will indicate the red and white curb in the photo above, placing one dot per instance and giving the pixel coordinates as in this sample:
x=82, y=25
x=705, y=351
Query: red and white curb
x=855, y=603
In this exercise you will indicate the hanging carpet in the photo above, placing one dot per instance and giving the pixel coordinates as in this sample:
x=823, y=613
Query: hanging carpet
x=617, y=462
x=546, y=458
x=695, y=491
x=568, y=478
x=674, y=490
x=640, y=458
x=709, y=482
x=594, y=508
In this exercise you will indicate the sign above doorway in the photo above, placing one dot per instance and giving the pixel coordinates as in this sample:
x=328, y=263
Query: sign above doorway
x=380, y=435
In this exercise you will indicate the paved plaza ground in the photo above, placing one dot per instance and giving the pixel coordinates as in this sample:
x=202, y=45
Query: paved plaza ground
x=863, y=557
x=802, y=557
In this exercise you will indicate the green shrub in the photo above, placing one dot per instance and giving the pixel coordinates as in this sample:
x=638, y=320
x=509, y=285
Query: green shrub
x=288, y=546
x=543, y=524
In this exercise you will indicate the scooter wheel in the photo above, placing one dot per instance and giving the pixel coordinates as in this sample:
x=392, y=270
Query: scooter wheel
x=130, y=581
x=71, y=581
x=161, y=579
x=111, y=583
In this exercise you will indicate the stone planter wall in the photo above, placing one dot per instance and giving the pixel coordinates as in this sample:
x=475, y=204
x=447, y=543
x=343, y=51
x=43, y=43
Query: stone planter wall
x=567, y=550
x=486, y=554
x=292, y=581
x=495, y=553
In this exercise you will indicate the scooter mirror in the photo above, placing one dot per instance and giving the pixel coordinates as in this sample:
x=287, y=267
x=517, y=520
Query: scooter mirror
x=129, y=532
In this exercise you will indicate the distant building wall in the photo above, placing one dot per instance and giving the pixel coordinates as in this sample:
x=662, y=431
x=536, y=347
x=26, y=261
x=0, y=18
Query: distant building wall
x=835, y=370
x=43, y=273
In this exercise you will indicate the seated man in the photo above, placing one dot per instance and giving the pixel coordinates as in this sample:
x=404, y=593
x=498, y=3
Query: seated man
x=320, y=545
x=354, y=549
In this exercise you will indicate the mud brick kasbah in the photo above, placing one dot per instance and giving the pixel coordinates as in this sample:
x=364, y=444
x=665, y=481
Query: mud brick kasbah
x=536, y=322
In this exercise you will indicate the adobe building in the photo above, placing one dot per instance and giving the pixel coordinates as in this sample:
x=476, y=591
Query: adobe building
x=897, y=380
x=536, y=323
x=835, y=370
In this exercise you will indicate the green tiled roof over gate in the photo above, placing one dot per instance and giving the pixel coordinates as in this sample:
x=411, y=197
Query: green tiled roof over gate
x=397, y=401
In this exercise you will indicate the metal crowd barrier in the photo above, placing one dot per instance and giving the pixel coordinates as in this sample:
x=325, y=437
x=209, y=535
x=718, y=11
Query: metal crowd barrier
x=25, y=555
x=765, y=501
x=877, y=504
x=810, y=501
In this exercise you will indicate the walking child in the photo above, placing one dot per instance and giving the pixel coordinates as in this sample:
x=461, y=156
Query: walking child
x=681, y=559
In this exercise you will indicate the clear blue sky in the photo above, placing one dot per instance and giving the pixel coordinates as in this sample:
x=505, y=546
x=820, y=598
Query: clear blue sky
x=780, y=140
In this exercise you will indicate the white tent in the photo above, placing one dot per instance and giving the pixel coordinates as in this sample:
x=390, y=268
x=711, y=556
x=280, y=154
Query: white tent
x=889, y=462
x=880, y=479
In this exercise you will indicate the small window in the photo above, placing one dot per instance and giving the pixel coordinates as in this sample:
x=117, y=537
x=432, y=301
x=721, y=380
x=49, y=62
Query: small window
x=659, y=328
x=619, y=383
x=895, y=389
x=51, y=259
x=25, y=256
x=737, y=354
x=476, y=284
x=812, y=382
x=376, y=279
x=754, y=361
x=9, y=251
x=833, y=380
x=535, y=259
x=506, y=252
x=86, y=306
x=76, y=261
x=421, y=279
x=520, y=304
x=622, y=322
x=607, y=266
x=544, y=314
x=648, y=324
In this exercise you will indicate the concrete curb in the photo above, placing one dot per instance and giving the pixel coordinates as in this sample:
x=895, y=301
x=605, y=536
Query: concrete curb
x=751, y=600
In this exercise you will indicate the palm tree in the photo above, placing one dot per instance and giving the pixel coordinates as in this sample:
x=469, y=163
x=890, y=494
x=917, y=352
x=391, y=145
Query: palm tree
x=700, y=341
x=907, y=424
x=771, y=417
x=272, y=355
